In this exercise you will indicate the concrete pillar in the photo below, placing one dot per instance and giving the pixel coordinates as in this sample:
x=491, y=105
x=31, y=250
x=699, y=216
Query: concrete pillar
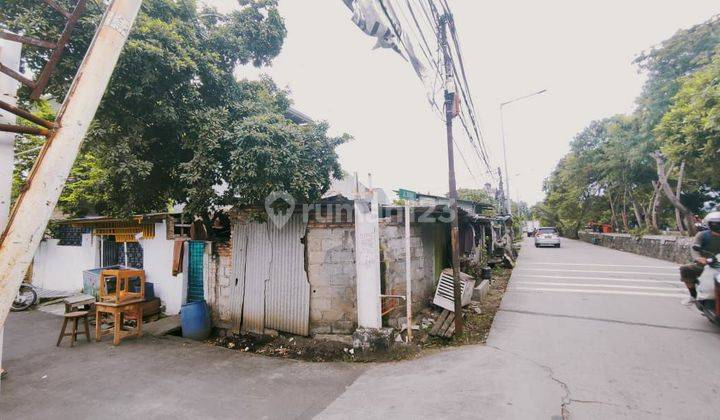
x=367, y=263
x=10, y=57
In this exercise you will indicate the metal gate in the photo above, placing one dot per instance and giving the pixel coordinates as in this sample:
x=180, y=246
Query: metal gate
x=271, y=288
x=196, y=251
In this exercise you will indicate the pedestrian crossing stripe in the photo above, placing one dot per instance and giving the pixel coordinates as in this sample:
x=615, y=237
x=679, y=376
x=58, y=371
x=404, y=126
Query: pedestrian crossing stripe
x=658, y=267
x=612, y=286
x=564, y=270
x=538, y=276
x=601, y=292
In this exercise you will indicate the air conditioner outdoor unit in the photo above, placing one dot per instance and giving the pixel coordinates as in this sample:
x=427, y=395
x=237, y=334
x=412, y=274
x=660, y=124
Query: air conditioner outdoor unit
x=444, y=292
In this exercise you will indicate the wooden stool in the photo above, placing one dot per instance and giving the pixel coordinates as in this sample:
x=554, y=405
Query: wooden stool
x=75, y=317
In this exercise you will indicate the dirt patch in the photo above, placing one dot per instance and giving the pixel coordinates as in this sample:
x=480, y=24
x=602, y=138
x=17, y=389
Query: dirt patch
x=477, y=328
x=289, y=347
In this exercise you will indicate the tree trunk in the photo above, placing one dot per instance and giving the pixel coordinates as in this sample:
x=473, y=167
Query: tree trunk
x=613, y=214
x=678, y=190
x=655, y=206
x=624, y=211
x=638, y=216
x=670, y=194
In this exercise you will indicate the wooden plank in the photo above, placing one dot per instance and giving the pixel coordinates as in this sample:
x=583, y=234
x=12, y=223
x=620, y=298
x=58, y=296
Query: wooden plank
x=44, y=78
x=438, y=322
x=26, y=39
x=448, y=321
x=17, y=76
x=450, y=330
x=26, y=115
x=57, y=8
x=23, y=129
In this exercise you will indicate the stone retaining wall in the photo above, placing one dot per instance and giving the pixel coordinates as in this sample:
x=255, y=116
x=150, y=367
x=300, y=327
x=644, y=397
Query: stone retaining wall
x=670, y=248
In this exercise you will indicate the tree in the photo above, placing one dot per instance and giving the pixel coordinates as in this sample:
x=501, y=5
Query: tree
x=476, y=195
x=684, y=53
x=690, y=130
x=175, y=126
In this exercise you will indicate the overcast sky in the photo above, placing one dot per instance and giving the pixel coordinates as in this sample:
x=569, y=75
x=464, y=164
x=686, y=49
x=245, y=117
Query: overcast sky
x=580, y=51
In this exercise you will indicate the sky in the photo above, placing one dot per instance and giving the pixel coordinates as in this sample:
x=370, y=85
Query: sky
x=580, y=51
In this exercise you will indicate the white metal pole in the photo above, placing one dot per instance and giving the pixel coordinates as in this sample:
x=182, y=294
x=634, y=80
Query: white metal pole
x=408, y=277
x=33, y=210
x=125, y=253
x=10, y=57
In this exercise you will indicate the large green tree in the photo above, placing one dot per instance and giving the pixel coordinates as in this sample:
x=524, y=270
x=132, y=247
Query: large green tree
x=175, y=126
x=690, y=130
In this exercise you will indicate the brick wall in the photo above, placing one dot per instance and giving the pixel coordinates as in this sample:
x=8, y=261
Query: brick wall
x=220, y=275
x=422, y=260
x=331, y=272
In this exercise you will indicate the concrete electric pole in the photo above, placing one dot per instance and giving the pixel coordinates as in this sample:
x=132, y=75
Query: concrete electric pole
x=10, y=57
x=34, y=207
x=454, y=229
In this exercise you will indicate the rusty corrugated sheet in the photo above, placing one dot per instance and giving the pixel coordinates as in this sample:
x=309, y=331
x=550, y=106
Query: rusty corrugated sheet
x=257, y=273
x=237, y=283
x=287, y=293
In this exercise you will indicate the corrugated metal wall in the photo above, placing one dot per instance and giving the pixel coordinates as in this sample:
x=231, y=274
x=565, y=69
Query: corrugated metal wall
x=271, y=287
x=237, y=283
x=287, y=295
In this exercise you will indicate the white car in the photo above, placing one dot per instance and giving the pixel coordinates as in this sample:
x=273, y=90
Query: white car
x=547, y=236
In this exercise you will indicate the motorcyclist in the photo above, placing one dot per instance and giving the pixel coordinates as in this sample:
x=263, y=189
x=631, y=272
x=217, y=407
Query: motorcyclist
x=708, y=240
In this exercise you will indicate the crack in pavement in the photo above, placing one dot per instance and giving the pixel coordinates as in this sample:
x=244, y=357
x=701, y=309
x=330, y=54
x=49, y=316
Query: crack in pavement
x=566, y=400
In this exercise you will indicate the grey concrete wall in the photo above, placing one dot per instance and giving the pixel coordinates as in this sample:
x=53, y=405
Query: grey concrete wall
x=670, y=248
x=422, y=260
x=330, y=264
x=331, y=272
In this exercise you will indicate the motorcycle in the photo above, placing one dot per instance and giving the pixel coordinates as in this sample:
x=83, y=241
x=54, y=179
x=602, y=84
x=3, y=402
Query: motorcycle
x=25, y=298
x=708, y=288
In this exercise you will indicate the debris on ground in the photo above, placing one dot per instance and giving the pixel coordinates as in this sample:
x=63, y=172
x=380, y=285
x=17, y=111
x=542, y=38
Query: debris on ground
x=477, y=316
x=289, y=347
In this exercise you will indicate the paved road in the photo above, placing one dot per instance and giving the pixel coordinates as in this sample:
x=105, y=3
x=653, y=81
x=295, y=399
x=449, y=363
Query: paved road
x=584, y=331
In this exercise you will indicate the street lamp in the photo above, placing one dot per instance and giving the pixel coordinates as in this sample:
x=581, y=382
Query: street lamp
x=502, y=130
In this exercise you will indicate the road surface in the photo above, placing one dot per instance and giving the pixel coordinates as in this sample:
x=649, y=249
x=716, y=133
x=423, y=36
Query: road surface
x=584, y=332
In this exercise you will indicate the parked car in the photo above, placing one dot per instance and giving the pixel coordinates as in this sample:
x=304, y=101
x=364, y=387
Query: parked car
x=547, y=236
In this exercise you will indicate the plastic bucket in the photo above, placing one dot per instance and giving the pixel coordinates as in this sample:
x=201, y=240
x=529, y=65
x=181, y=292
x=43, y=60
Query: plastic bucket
x=195, y=320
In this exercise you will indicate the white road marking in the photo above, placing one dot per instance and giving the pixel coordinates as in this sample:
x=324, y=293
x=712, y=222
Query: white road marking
x=601, y=292
x=564, y=270
x=604, y=265
x=609, y=286
x=600, y=279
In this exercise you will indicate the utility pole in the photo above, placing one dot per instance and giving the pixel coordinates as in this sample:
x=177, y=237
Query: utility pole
x=10, y=57
x=34, y=207
x=454, y=229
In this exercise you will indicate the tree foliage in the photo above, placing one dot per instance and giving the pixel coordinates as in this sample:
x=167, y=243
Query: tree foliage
x=609, y=175
x=175, y=126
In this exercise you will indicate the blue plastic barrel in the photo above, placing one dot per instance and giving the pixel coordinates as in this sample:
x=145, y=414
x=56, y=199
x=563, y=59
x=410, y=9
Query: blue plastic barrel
x=195, y=320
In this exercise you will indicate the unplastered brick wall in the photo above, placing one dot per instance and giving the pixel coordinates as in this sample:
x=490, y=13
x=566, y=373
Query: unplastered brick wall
x=422, y=262
x=220, y=275
x=331, y=272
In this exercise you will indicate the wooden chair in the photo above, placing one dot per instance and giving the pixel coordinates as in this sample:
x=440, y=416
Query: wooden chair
x=75, y=317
